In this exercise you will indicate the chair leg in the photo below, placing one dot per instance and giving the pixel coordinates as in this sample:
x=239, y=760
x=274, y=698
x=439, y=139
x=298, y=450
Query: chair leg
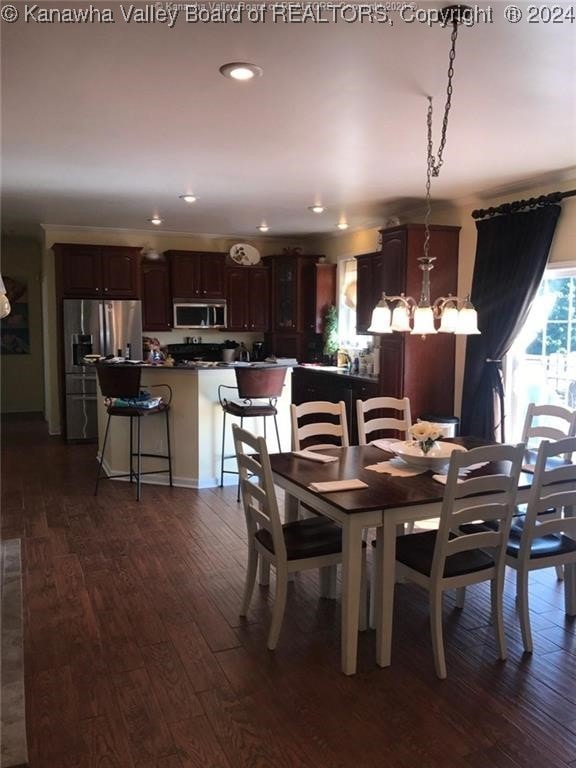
x=277, y=433
x=251, y=570
x=460, y=597
x=436, y=631
x=101, y=462
x=279, y=605
x=222, y=452
x=169, y=449
x=363, y=617
x=523, y=608
x=560, y=572
x=328, y=582
x=139, y=459
x=131, y=449
x=496, y=590
x=238, y=491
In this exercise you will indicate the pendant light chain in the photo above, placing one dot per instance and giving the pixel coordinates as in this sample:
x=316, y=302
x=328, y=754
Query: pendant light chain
x=433, y=164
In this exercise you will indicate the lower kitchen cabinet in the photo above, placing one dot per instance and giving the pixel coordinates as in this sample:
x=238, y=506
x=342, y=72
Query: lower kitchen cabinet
x=309, y=384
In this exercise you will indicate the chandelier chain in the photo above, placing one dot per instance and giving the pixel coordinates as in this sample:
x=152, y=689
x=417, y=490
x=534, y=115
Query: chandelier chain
x=434, y=164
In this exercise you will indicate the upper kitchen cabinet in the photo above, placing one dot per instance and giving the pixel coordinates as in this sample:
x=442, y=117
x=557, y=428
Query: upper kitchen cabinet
x=94, y=271
x=248, y=298
x=421, y=369
x=198, y=274
x=156, y=295
x=302, y=289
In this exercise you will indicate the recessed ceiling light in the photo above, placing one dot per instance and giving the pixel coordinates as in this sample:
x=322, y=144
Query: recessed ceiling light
x=263, y=227
x=240, y=70
x=156, y=220
x=342, y=225
x=188, y=198
x=316, y=208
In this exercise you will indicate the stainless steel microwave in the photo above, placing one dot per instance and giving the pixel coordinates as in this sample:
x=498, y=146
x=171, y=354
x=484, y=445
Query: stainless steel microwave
x=188, y=315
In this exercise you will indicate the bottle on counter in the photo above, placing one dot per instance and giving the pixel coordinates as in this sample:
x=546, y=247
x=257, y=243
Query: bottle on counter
x=243, y=354
x=128, y=353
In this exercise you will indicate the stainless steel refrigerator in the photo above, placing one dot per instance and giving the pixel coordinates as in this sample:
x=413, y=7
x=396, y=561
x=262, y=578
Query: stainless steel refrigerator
x=94, y=327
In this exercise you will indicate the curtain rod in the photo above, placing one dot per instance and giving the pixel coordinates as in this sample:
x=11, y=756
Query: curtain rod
x=518, y=205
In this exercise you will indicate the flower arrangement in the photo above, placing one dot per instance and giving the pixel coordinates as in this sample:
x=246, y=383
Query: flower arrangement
x=425, y=434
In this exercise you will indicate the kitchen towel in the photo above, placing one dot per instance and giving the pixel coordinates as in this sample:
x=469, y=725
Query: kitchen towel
x=313, y=456
x=337, y=485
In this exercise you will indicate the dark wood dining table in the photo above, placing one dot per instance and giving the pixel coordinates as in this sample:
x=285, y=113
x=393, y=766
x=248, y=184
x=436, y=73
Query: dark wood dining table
x=384, y=504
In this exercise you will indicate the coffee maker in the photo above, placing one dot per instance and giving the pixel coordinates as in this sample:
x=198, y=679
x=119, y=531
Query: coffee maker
x=258, y=351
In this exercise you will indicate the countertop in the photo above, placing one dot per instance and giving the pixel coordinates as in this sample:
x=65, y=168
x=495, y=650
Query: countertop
x=195, y=367
x=340, y=372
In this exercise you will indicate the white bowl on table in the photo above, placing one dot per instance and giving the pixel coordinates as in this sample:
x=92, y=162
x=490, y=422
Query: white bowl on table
x=437, y=459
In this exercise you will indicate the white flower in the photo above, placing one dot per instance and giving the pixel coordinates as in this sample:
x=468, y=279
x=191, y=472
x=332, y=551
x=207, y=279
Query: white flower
x=435, y=433
x=421, y=430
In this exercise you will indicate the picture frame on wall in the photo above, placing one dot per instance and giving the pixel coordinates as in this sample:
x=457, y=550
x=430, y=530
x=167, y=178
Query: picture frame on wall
x=15, y=328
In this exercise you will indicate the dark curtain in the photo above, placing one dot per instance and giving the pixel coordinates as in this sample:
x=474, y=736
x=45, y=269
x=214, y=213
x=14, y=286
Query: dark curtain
x=511, y=255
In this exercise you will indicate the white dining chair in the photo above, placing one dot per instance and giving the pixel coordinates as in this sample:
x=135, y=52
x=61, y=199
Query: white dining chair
x=319, y=424
x=399, y=421
x=315, y=542
x=543, y=422
x=450, y=558
x=546, y=541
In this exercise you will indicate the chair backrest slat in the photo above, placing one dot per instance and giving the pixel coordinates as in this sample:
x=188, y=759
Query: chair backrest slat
x=399, y=423
x=317, y=426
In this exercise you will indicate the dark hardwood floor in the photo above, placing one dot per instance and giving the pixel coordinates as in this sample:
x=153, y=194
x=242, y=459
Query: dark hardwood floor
x=136, y=656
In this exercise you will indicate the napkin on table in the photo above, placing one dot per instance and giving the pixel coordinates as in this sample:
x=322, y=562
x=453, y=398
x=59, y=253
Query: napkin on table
x=463, y=473
x=396, y=468
x=313, y=456
x=337, y=485
x=385, y=444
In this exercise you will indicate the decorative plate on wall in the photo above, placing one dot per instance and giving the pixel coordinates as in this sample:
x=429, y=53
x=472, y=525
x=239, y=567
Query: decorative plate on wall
x=244, y=254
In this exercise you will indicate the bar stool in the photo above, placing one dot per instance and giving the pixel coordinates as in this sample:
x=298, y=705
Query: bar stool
x=123, y=382
x=263, y=384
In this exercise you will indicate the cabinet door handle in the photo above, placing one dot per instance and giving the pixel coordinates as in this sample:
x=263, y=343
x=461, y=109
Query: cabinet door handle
x=97, y=290
x=105, y=290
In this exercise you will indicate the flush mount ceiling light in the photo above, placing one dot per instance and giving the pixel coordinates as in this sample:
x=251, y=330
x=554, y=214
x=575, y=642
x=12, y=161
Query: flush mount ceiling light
x=188, y=198
x=342, y=225
x=316, y=208
x=456, y=315
x=241, y=70
x=263, y=227
x=156, y=220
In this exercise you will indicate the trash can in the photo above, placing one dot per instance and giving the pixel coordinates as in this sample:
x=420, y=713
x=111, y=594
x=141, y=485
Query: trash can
x=450, y=425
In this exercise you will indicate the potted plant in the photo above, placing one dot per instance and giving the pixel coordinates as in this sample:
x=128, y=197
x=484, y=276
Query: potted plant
x=330, y=335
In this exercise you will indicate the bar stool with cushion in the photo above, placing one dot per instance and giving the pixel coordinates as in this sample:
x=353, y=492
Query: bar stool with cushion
x=258, y=392
x=122, y=382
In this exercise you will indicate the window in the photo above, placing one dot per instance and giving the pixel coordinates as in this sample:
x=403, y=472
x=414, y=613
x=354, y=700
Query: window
x=541, y=364
x=347, y=305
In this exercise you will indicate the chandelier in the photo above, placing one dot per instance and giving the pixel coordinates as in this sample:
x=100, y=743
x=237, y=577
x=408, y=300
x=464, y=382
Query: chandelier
x=403, y=313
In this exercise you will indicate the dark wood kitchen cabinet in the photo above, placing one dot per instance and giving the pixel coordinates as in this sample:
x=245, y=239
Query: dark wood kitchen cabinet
x=302, y=289
x=309, y=384
x=156, y=296
x=94, y=271
x=421, y=369
x=248, y=298
x=198, y=275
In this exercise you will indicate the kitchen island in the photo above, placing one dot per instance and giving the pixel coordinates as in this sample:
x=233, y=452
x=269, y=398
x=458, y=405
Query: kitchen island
x=195, y=423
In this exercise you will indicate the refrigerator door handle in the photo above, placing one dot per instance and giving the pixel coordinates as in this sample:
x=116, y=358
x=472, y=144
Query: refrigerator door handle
x=102, y=321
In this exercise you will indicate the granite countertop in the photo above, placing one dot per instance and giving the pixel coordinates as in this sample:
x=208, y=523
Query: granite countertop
x=341, y=372
x=201, y=366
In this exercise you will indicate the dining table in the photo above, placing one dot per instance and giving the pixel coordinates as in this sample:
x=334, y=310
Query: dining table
x=384, y=503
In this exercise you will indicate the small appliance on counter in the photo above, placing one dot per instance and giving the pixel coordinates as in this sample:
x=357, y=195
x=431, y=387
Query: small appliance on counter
x=258, y=351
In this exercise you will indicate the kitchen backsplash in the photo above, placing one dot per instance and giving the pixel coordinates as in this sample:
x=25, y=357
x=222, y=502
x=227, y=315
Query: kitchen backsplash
x=206, y=336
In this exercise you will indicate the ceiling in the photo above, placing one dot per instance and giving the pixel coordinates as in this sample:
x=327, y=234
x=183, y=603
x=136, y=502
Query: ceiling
x=104, y=125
